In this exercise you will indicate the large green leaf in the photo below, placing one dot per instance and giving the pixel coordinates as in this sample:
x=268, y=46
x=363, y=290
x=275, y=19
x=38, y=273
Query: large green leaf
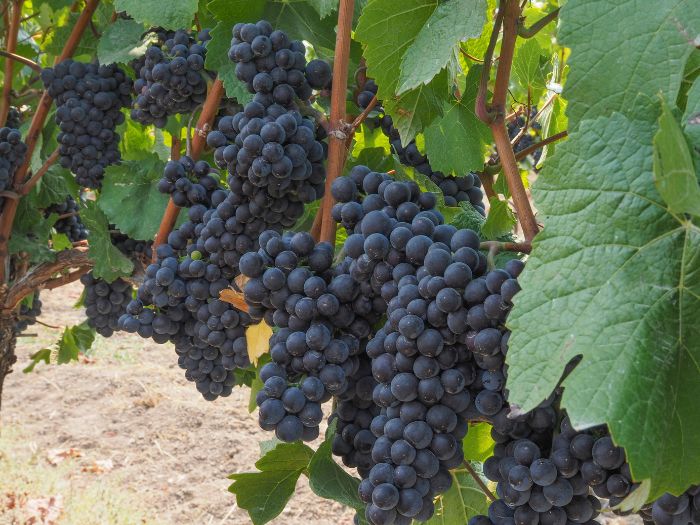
x=324, y=7
x=386, y=30
x=612, y=63
x=122, y=41
x=130, y=198
x=264, y=494
x=615, y=278
x=461, y=502
x=674, y=173
x=109, y=261
x=457, y=142
x=438, y=40
x=173, y=14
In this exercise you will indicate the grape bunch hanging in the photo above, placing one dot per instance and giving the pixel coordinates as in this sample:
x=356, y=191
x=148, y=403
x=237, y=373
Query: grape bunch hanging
x=89, y=99
x=171, y=78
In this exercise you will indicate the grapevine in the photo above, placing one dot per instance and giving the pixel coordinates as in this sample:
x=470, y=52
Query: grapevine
x=448, y=250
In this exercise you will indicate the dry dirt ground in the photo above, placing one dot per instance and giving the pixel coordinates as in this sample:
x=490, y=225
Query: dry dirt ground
x=123, y=438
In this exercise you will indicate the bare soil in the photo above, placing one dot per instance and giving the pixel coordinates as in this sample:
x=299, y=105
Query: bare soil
x=122, y=437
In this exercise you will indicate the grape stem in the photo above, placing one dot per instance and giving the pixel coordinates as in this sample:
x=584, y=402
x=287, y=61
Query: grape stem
x=47, y=325
x=494, y=115
x=11, y=40
x=38, y=121
x=27, y=186
x=524, y=129
x=337, y=149
x=481, y=110
x=19, y=58
x=485, y=489
x=497, y=246
x=495, y=168
x=529, y=32
x=206, y=119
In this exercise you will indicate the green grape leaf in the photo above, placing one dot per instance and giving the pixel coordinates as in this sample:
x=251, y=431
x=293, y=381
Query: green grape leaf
x=56, y=39
x=386, y=30
x=43, y=355
x=691, y=117
x=60, y=242
x=74, y=341
x=109, y=261
x=461, y=502
x=436, y=43
x=500, y=220
x=298, y=19
x=52, y=188
x=136, y=140
x=324, y=7
x=613, y=277
x=174, y=14
x=328, y=480
x=123, y=41
x=528, y=69
x=217, y=60
x=468, y=218
x=602, y=79
x=31, y=232
x=457, y=142
x=478, y=443
x=674, y=173
x=130, y=198
x=264, y=494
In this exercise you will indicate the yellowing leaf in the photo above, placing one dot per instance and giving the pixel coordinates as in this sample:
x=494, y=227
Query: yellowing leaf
x=258, y=338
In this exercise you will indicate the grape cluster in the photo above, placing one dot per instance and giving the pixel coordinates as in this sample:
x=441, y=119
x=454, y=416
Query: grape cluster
x=132, y=248
x=179, y=302
x=454, y=189
x=105, y=302
x=89, y=99
x=12, y=154
x=14, y=118
x=189, y=183
x=71, y=226
x=413, y=267
x=274, y=155
x=292, y=286
x=28, y=314
x=354, y=412
x=171, y=78
x=528, y=139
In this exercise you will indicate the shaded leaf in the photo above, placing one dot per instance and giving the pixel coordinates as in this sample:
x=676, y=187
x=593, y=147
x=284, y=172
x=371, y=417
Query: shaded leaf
x=74, y=341
x=458, y=141
x=110, y=263
x=123, y=41
x=173, y=14
x=500, y=220
x=674, y=173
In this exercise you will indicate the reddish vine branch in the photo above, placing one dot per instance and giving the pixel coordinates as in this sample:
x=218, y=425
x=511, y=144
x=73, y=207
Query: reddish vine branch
x=19, y=58
x=38, y=121
x=11, y=41
x=494, y=116
x=42, y=274
x=206, y=119
x=27, y=186
x=336, y=137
